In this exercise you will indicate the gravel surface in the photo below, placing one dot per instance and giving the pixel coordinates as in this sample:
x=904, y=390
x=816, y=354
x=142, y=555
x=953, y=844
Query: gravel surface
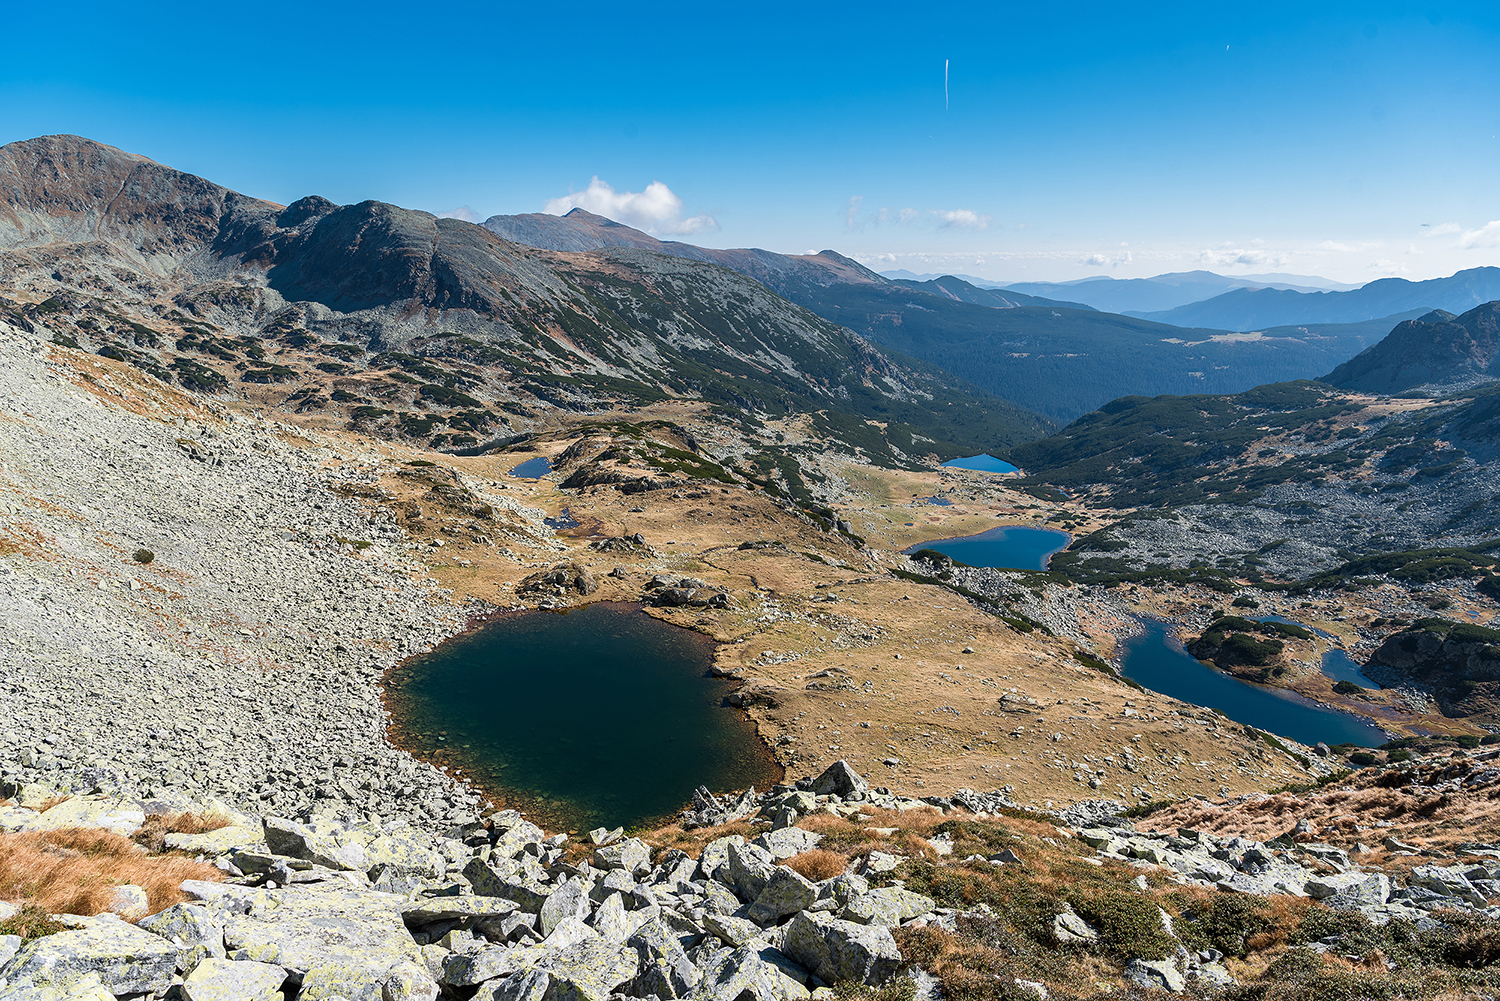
x=243, y=661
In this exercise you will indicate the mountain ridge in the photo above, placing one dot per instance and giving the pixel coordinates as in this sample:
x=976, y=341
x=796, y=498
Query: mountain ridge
x=1436, y=349
x=1252, y=309
x=224, y=288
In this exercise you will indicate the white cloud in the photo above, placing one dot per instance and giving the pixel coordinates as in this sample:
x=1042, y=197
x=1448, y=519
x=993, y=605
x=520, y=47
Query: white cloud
x=1104, y=260
x=1444, y=229
x=1224, y=256
x=1485, y=236
x=1387, y=267
x=961, y=219
x=462, y=212
x=657, y=210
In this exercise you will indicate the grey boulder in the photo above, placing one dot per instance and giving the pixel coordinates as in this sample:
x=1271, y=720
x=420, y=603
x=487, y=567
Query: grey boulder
x=837, y=950
x=315, y=843
x=841, y=780
x=743, y=974
x=633, y=855
x=226, y=980
x=301, y=928
x=786, y=892
x=889, y=906
x=126, y=959
x=568, y=900
x=1158, y=974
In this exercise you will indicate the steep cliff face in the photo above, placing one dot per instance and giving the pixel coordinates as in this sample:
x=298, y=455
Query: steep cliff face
x=1438, y=348
x=1458, y=663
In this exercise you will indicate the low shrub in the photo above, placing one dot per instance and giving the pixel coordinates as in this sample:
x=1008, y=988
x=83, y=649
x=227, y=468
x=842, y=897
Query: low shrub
x=144, y=556
x=29, y=922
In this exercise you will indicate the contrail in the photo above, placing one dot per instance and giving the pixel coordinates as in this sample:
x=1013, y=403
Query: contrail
x=945, y=85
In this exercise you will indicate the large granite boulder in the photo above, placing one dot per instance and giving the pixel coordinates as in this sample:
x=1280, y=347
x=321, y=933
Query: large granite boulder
x=126, y=959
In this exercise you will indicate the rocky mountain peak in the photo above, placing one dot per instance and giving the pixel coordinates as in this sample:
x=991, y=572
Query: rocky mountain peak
x=1438, y=348
x=67, y=189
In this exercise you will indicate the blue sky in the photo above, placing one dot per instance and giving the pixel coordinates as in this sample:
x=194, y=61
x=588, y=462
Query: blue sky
x=1349, y=140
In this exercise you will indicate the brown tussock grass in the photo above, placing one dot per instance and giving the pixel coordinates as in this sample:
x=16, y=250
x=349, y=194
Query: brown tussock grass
x=693, y=841
x=75, y=870
x=818, y=864
x=153, y=833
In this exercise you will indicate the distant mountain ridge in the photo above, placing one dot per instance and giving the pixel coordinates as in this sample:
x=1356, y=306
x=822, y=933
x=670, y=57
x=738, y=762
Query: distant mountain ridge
x=1135, y=296
x=1256, y=309
x=785, y=274
x=903, y=275
x=1435, y=349
x=1060, y=359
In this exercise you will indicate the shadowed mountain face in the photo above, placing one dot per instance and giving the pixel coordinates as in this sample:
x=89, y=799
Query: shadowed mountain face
x=1438, y=348
x=174, y=273
x=1256, y=309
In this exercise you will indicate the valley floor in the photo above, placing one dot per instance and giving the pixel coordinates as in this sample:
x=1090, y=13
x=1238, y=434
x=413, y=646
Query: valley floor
x=294, y=565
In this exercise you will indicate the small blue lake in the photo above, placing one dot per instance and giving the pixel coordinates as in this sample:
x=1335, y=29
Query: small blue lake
x=533, y=469
x=1009, y=547
x=1157, y=660
x=983, y=463
x=1339, y=666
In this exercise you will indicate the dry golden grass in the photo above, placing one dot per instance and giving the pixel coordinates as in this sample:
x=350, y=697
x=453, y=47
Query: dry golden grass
x=50, y=802
x=153, y=833
x=75, y=870
x=818, y=864
x=693, y=841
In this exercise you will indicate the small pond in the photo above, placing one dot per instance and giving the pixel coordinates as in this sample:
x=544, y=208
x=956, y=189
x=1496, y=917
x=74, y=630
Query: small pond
x=1157, y=660
x=982, y=463
x=596, y=716
x=533, y=469
x=1009, y=547
x=1339, y=666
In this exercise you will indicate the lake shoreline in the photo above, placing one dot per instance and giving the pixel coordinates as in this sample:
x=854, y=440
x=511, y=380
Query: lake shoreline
x=407, y=730
x=1170, y=631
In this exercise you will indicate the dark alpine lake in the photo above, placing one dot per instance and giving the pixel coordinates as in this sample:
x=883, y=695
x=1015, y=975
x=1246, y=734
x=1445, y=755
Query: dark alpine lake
x=983, y=463
x=597, y=716
x=1010, y=547
x=1157, y=661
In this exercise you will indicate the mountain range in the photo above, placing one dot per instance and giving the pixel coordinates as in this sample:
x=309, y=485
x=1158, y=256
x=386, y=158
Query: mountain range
x=1057, y=357
x=1258, y=308
x=436, y=329
x=1163, y=292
